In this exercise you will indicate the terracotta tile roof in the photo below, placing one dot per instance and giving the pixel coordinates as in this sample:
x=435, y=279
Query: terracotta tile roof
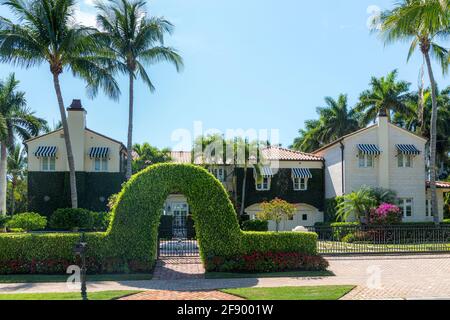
x=440, y=184
x=270, y=153
x=181, y=156
x=279, y=153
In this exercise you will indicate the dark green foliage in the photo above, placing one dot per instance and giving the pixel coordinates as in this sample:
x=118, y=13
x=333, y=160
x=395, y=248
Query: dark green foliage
x=255, y=225
x=282, y=187
x=3, y=220
x=101, y=220
x=72, y=219
x=27, y=221
x=131, y=240
x=165, y=227
x=48, y=191
x=331, y=208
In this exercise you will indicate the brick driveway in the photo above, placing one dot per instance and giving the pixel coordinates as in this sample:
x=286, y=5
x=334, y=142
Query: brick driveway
x=376, y=277
x=181, y=295
x=179, y=268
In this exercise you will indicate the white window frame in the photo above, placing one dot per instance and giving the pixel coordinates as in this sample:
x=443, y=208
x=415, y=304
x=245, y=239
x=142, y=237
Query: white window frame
x=405, y=160
x=48, y=164
x=403, y=205
x=365, y=160
x=219, y=173
x=103, y=164
x=264, y=185
x=300, y=184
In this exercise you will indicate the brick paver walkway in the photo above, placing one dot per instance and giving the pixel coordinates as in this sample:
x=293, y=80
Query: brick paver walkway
x=179, y=268
x=181, y=295
x=376, y=277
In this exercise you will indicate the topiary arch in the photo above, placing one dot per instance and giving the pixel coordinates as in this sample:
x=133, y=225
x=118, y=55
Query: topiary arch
x=136, y=216
x=132, y=234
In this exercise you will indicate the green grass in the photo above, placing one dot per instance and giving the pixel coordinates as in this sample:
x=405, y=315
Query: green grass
x=102, y=295
x=28, y=278
x=335, y=246
x=291, y=293
x=287, y=274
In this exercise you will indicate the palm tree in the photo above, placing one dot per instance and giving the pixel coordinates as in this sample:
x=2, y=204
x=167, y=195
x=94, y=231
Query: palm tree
x=422, y=22
x=356, y=204
x=17, y=163
x=308, y=141
x=146, y=155
x=134, y=40
x=48, y=33
x=386, y=95
x=18, y=121
x=336, y=120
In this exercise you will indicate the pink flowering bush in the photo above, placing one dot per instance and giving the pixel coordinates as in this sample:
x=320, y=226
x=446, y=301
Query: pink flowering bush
x=386, y=213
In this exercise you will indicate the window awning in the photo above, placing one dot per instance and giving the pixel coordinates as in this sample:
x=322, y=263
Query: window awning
x=301, y=173
x=99, y=152
x=264, y=172
x=46, y=151
x=370, y=149
x=408, y=149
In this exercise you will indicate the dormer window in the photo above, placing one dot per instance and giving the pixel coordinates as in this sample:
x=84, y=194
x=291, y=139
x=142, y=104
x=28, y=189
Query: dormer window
x=99, y=155
x=367, y=154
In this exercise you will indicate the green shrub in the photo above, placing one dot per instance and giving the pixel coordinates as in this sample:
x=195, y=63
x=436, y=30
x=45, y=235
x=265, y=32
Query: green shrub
x=303, y=242
x=331, y=207
x=3, y=220
x=255, y=225
x=27, y=221
x=101, y=220
x=72, y=219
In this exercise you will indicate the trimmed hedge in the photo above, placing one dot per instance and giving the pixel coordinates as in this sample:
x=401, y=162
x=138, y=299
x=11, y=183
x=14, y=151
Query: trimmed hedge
x=255, y=225
x=131, y=240
x=27, y=221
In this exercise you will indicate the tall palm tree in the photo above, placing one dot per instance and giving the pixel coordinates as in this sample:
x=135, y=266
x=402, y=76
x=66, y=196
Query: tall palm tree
x=47, y=32
x=336, y=120
x=386, y=95
x=134, y=39
x=18, y=121
x=17, y=162
x=422, y=23
x=308, y=140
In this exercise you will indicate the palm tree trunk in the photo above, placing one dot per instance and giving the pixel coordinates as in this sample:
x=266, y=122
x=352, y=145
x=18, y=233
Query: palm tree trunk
x=421, y=106
x=3, y=180
x=13, y=199
x=433, y=133
x=130, y=128
x=244, y=184
x=70, y=160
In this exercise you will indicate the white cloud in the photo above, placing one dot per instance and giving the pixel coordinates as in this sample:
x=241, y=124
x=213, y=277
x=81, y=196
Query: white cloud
x=85, y=18
x=89, y=2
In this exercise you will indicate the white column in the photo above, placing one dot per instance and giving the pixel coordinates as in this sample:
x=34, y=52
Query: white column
x=383, y=161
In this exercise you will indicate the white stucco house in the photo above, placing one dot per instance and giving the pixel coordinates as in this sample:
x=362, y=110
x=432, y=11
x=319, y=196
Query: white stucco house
x=387, y=156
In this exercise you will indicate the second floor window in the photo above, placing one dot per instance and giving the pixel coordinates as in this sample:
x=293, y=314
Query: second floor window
x=263, y=184
x=365, y=160
x=404, y=160
x=101, y=164
x=300, y=184
x=48, y=163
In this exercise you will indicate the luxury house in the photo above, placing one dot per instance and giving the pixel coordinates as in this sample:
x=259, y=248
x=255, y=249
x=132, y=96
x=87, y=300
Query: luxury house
x=99, y=165
x=293, y=176
x=382, y=155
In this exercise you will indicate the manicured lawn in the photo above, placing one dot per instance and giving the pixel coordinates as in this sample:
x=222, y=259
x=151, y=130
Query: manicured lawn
x=324, y=247
x=26, y=278
x=102, y=295
x=291, y=293
x=288, y=274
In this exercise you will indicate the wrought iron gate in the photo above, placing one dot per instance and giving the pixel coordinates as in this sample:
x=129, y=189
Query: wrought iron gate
x=177, y=242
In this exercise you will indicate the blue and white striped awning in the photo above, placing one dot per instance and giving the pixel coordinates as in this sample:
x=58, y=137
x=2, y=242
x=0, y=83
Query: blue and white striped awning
x=301, y=173
x=371, y=149
x=46, y=151
x=264, y=172
x=99, y=152
x=409, y=149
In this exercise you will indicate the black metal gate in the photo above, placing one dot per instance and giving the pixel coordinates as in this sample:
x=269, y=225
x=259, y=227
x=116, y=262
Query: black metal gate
x=177, y=242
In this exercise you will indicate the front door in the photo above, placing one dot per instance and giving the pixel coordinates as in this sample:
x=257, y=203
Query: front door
x=180, y=213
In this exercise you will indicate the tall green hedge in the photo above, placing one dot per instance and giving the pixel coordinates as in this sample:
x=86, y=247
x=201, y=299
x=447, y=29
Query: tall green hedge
x=131, y=239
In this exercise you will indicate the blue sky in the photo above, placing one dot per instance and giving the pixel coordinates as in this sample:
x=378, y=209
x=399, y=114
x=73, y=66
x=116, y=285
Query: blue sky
x=262, y=64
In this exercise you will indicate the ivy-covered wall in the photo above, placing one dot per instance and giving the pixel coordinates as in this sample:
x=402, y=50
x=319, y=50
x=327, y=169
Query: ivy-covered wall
x=282, y=187
x=48, y=191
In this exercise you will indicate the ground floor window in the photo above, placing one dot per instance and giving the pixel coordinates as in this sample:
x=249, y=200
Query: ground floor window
x=406, y=205
x=48, y=163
